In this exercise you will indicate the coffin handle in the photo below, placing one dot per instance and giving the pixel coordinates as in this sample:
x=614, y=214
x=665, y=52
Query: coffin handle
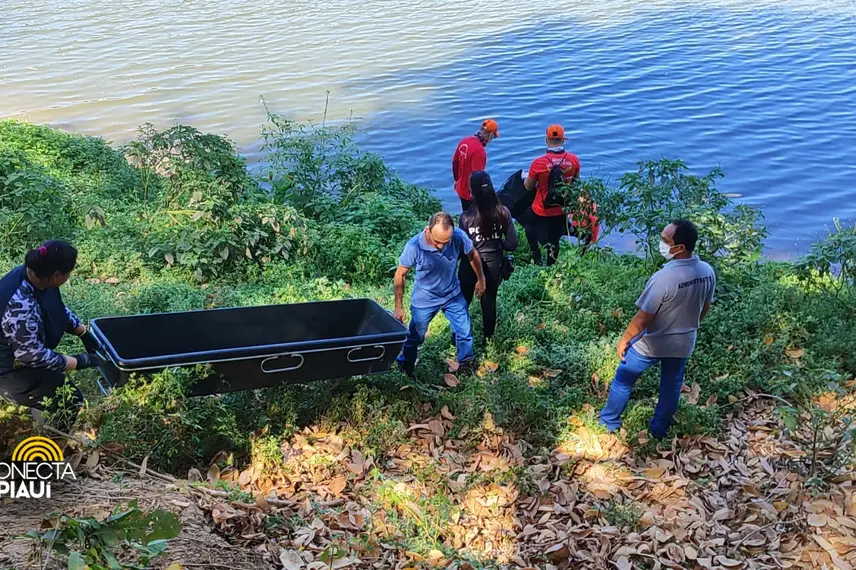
x=369, y=359
x=284, y=369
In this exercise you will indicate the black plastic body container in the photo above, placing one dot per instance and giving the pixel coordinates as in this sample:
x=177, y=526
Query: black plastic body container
x=254, y=347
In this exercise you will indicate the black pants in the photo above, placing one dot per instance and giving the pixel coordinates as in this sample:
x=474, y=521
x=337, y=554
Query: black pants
x=465, y=204
x=492, y=268
x=27, y=387
x=544, y=231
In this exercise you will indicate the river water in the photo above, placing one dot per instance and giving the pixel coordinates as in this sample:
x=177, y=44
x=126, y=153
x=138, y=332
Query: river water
x=765, y=89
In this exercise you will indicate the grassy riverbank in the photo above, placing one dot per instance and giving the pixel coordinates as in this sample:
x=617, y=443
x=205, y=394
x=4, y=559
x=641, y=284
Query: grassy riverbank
x=175, y=222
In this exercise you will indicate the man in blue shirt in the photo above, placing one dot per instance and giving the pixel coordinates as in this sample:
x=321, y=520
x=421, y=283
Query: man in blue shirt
x=434, y=253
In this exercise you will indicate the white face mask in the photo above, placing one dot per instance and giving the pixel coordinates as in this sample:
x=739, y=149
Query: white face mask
x=665, y=250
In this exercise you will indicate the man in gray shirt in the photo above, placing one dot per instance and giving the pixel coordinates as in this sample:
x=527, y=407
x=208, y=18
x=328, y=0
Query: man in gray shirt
x=671, y=307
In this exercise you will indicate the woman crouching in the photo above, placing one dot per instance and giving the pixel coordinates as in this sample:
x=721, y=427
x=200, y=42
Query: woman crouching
x=33, y=320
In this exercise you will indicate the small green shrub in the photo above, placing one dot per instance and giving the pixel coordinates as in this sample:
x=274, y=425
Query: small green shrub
x=34, y=206
x=154, y=417
x=126, y=539
x=624, y=515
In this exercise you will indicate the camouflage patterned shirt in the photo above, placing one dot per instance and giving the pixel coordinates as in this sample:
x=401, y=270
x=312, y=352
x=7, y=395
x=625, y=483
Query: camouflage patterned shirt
x=23, y=330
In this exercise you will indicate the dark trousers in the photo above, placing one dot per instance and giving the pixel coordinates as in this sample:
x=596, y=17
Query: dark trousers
x=28, y=386
x=492, y=267
x=546, y=232
x=465, y=204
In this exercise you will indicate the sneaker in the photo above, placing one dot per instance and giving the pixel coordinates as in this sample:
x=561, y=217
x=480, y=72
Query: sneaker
x=466, y=368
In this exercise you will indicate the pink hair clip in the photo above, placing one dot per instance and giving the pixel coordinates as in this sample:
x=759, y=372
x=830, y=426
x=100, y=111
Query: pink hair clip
x=43, y=251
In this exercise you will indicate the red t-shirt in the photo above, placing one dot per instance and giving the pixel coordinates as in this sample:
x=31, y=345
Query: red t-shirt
x=469, y=157
x=540, y=171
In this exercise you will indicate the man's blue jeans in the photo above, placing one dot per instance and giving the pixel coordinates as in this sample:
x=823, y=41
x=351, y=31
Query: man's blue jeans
x=459, y=321
x=629, y=371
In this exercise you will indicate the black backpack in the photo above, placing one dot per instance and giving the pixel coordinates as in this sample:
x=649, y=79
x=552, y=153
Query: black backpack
x=553, y=198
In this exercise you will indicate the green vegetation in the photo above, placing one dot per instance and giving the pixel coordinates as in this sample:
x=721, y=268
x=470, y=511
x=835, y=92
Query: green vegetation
x=126, y=540
x=174, y=221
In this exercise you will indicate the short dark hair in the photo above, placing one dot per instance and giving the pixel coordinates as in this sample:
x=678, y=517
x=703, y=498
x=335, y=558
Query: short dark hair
x=686, y=233
x=442, y=218
x=54, y=256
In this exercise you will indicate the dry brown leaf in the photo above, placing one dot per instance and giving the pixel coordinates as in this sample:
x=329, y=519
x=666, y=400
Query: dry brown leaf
x=194, y=476
x=729, y=562
x=213, y=474
x=817, y=520
x=174, y=566
x=795, y=353
x=92, y=460
x=712, y=399
x=769, y=339
x=540, y=327
x=337, y=485
x=522, y=350
x=451, y=380
x=690, y=552
x=144, y=466
x=453, y=365
x=623, y=563
x=693, y=393
x=436, y=427
x=491, y=366
x=558, y=552
x=291, y=560
x=489, y=424
x=552, y=372
x=446, y=414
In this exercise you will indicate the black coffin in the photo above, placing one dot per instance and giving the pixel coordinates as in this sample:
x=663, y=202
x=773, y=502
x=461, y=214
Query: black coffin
x=254, y=347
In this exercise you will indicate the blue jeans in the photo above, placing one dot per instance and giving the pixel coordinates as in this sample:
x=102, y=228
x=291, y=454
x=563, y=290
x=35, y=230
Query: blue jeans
x=629, y=371
x=459, y=321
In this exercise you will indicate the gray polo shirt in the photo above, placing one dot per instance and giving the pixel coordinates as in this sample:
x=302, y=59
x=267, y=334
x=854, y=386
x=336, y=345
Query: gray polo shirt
x=676, y=295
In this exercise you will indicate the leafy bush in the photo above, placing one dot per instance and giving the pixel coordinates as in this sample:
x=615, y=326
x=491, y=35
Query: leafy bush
x=154, y=417
x=126, y=539
x=832, y=263
x=661, y=191
x=34, y=206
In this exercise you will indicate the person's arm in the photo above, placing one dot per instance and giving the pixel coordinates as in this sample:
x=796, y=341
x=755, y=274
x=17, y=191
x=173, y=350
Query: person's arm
x=74, y=326
x=476, y=264
x=637, y=325
x=510, y=241
x=649, y=304
x=398, y=284
x=20, y=327
x=704, y=312
x=456, y=166
x=531, y=181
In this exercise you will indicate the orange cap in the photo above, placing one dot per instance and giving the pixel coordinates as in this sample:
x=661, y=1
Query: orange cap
x=491, y=127
x=556, y=132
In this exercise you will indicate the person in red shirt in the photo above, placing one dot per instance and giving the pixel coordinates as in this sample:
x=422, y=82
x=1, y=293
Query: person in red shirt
x=470, y=156
x=545, y=226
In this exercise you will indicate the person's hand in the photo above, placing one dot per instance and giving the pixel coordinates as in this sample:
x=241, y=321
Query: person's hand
x=89, y=342
x=399, y=314
x=621, y=348
x=70, y=363
x=481, y=287
x=80, y=330
x=86, y=360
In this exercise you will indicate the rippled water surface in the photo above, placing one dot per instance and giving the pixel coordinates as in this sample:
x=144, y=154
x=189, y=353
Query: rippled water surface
x=765, y=89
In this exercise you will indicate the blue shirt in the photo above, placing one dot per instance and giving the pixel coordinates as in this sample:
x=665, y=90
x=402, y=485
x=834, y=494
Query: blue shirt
x=436, y=269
